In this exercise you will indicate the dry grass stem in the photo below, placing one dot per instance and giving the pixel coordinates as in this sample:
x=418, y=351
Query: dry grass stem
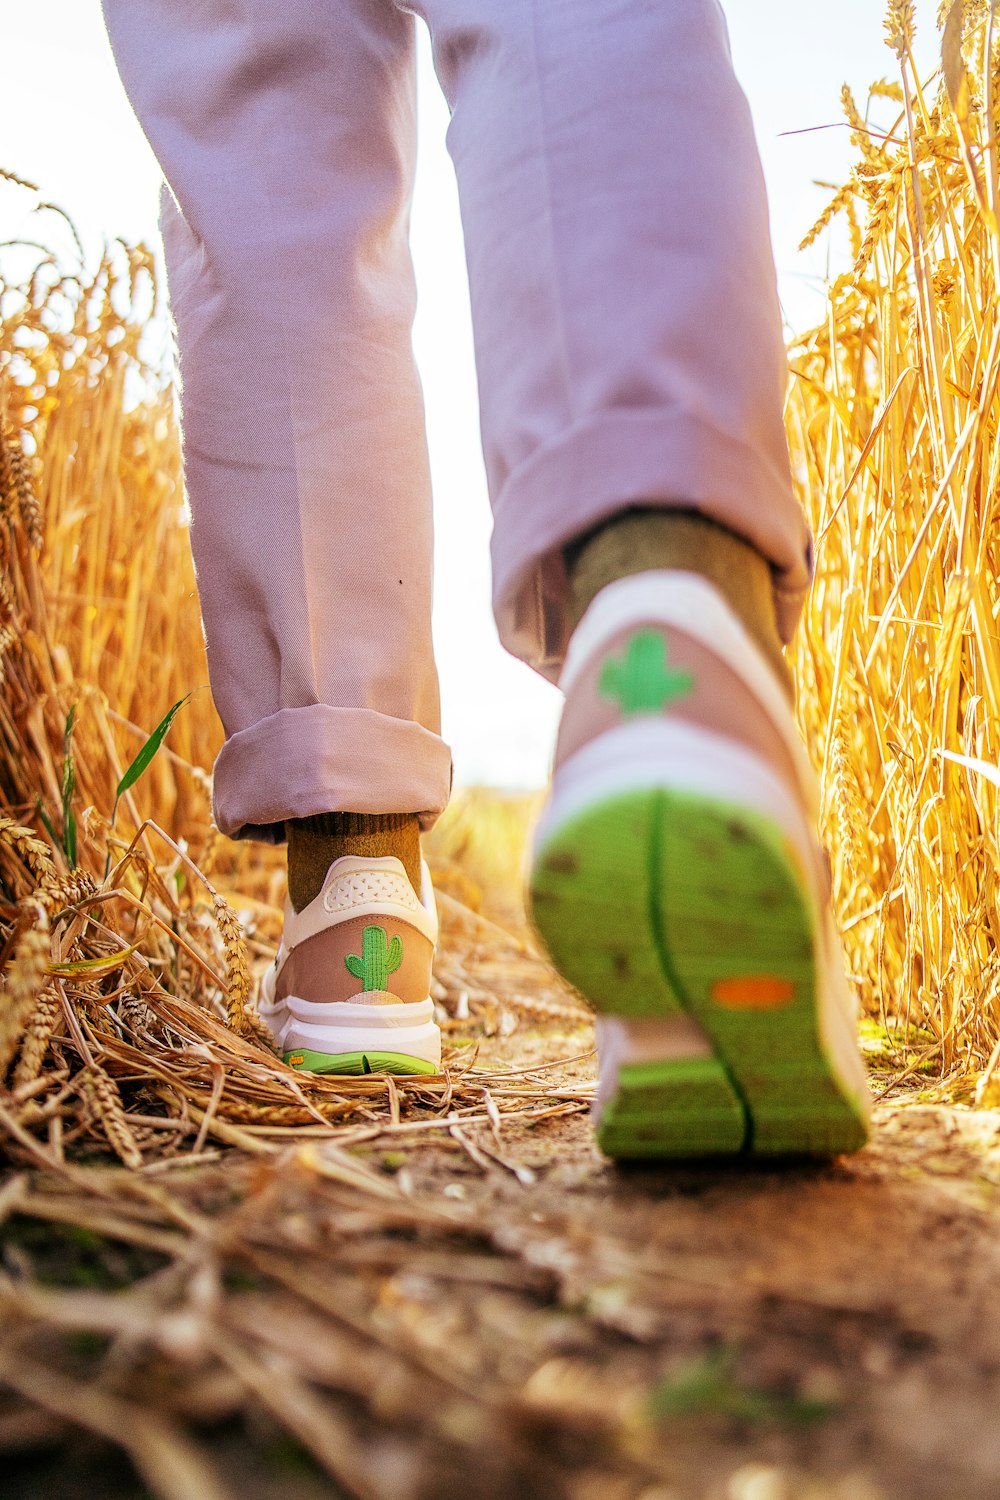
x=893, y=415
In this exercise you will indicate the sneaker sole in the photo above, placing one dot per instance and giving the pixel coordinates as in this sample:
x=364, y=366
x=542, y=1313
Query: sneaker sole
x=659, y=900
x=354, y=1064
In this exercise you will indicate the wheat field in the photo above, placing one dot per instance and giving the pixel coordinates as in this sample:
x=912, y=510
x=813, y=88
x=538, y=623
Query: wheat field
x=892, y=419
x=249, y=1281
x=119, y=915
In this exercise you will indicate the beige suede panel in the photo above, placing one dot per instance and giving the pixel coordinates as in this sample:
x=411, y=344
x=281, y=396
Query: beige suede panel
x=718, y=700
x=315, y=970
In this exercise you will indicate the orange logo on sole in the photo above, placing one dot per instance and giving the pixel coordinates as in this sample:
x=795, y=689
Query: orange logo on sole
x=296, y=1059
x=754, y=992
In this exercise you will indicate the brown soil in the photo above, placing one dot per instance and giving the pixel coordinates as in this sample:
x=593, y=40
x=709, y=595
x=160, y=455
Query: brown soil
x=470, y=1313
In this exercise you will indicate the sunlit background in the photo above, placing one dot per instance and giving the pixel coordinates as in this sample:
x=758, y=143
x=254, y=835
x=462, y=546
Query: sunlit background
x=65, y=124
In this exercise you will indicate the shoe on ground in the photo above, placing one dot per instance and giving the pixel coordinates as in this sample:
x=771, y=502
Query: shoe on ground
x=348, y=991
x=677, y=883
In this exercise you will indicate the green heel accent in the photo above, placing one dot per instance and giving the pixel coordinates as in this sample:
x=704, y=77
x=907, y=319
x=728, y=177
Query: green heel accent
x=355, y=1064
x=379, y=958
x=657, y=900
x=642, y=682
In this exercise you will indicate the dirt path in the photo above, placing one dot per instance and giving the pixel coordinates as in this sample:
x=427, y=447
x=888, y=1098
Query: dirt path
x=482, y=1316
x=451, y=1295
x=806, y=1332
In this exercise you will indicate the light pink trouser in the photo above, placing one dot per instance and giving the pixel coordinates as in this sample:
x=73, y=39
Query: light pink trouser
x=627, y=336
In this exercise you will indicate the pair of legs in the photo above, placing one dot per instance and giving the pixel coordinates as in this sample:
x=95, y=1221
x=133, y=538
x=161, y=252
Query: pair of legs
x=630, y=360
x=627, y=331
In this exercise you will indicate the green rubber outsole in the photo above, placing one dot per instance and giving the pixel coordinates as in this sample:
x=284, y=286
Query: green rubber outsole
x=684, y=1108
x=658, y=902
x=353, y=1064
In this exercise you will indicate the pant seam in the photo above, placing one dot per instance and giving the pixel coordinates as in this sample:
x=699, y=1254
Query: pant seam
x=550, y=220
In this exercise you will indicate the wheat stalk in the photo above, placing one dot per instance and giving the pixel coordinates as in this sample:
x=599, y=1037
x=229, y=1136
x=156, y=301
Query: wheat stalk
x=36, y=1034
x=893, y=417
x=23, y=979
x=101, y=1093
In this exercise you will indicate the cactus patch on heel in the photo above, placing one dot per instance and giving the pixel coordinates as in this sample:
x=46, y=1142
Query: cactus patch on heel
x=378, y=958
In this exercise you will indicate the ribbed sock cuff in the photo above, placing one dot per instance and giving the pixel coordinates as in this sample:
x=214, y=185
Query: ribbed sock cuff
x=343, y=824
x=315, y=842
x=641, y=538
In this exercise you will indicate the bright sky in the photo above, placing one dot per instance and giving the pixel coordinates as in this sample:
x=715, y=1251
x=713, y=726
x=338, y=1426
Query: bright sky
x=65, y=124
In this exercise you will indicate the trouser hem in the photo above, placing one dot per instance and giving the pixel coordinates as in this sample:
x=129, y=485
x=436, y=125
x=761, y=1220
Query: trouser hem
x=614, y=461
x=318, y=759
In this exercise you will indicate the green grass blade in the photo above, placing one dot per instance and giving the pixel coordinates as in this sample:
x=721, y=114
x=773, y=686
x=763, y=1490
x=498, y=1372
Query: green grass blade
x=68, y=787
x=69, y=836
x=92, y=967
x=50, y=827
x=142, y=760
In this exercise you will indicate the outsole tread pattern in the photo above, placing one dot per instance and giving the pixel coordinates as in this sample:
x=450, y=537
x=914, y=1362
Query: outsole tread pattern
x=714, y=919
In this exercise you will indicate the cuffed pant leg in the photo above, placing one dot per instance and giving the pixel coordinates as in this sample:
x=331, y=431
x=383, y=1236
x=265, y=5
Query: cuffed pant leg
x=286, y=137
x=627, y=328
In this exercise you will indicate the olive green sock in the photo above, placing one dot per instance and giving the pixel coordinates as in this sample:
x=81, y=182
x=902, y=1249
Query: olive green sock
x=314, y=843
x=640, y=538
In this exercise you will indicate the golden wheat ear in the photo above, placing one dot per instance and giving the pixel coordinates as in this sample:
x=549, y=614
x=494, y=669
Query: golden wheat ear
x=892, y=416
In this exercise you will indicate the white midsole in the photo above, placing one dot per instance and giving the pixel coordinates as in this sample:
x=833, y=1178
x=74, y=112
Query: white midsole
x=672, y=755
x=676, y=756
x=343, y=1026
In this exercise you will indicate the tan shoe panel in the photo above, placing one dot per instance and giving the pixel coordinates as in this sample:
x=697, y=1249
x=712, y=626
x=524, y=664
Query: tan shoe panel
x=316, y=969
x=717, y=700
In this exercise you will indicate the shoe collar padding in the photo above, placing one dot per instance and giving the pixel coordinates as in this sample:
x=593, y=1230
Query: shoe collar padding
x=360, y=886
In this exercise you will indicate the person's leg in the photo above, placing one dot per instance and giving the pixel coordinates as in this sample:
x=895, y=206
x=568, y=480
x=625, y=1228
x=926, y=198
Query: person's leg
x=286, y=133
x=647, y=542
x=286, y=136
x=627, y=330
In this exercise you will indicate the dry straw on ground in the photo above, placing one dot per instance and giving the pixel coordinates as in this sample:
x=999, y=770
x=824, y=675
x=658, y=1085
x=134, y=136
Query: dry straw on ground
x=128, y=977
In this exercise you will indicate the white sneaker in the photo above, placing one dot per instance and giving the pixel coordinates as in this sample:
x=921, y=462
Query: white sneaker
x=678, y=884
x=348, y=991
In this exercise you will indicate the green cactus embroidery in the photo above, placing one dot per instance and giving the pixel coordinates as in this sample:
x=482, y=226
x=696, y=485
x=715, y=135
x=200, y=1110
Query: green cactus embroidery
x=642, y=681
x=379, y=958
